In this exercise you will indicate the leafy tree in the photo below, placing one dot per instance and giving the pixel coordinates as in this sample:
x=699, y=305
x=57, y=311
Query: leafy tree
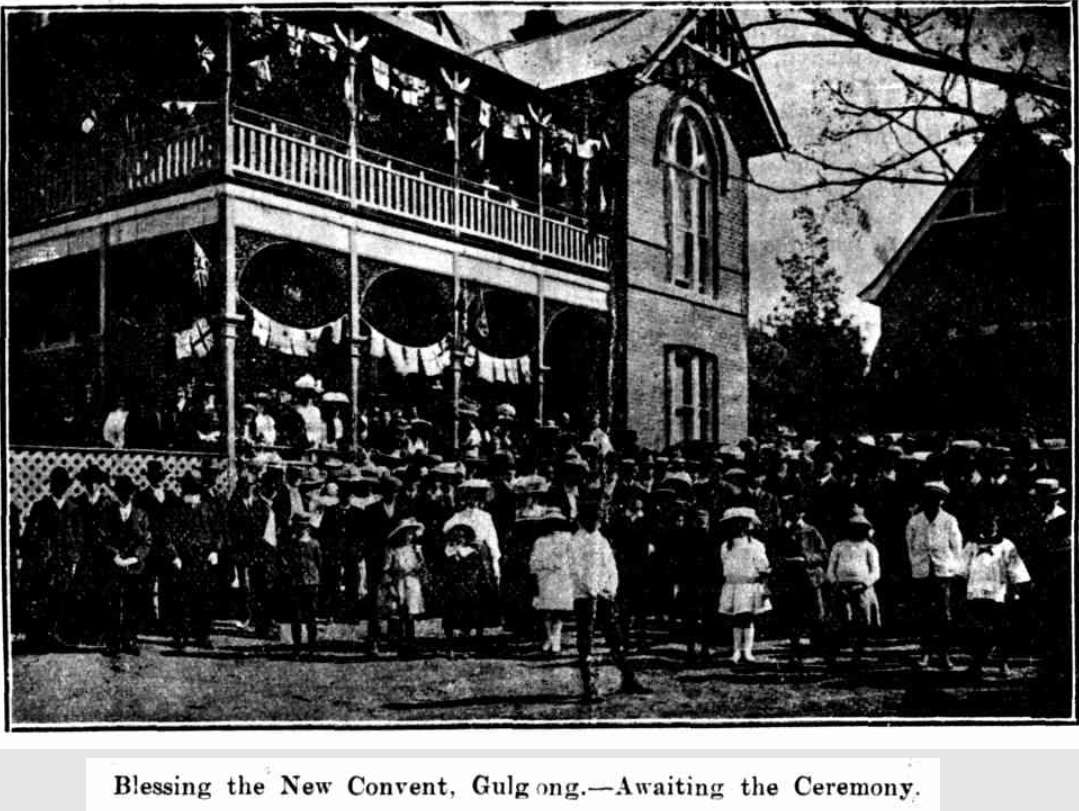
x=807, y=364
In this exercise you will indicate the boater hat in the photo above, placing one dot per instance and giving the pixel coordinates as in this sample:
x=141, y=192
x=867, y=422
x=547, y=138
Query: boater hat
x=937, y=487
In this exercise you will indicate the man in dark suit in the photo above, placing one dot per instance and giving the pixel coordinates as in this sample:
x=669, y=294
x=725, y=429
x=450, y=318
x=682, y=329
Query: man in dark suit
x=157, y=501
x=49, y=552
x=195, y=544
x=96, y=505
x=378, y=519
x=243, y=536
x=123, y=545
x=270, y=518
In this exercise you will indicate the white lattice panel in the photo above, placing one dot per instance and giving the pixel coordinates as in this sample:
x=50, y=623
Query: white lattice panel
x=28, y=468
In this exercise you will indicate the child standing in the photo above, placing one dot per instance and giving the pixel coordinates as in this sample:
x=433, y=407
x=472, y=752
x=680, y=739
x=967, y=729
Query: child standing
x=745, y=566
x=304, y=556
x=853, y=568
x=402, y=591
x=991, y=564
x=595, y=586
x=549, y=564
x=468, y=586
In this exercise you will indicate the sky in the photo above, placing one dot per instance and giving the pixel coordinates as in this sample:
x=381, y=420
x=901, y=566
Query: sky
x=791, y=78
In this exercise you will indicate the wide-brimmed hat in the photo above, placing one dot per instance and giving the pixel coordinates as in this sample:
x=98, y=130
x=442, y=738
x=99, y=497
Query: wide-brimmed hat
x=1048, y=486
x=747, y=513
x=307, y=382
x=859, y=520
x=937, y=486
x=550, y=518
x=530, y=485
x=480, y=485
x=335, y=397
x=506, y=411
x=403, y=524
x=449, y=470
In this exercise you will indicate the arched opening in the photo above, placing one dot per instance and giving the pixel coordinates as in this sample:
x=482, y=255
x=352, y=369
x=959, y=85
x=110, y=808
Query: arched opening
x=575, y=352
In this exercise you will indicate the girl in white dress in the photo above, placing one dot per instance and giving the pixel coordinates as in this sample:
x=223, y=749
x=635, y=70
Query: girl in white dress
x=549, y=564
x=745, y=566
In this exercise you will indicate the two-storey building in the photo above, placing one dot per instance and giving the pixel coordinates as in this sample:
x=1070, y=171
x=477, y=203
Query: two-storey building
x=412, y=216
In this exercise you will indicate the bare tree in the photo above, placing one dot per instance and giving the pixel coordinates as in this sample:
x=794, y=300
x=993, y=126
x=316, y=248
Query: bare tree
x=956, y=71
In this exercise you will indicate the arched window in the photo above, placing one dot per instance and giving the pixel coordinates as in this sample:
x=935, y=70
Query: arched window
x=692, y=180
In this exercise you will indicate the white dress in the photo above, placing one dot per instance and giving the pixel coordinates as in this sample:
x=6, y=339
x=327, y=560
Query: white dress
x=550, y=564
x=744, y=561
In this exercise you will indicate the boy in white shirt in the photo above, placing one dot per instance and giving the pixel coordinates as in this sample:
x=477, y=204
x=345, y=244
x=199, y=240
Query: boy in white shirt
x=595, y=585
x=991, y=564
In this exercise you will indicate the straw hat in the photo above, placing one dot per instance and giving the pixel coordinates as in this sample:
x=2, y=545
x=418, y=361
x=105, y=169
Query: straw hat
x=406, y=523
x=747, y=513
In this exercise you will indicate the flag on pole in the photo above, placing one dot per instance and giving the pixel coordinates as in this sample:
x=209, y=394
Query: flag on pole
x=202, y=337
x=200, y=270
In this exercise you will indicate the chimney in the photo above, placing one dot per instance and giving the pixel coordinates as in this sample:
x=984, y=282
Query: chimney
x=538, y=23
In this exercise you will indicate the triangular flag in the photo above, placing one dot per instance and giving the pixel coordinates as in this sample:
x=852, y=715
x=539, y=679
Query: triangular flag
x=378, y=344
x=261, y=67
x=260, y=326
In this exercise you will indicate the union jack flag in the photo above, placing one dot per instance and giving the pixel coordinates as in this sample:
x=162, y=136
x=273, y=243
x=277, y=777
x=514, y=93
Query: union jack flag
x=200, y=274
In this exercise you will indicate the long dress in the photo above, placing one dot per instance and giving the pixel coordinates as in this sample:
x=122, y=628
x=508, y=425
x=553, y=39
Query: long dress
x=550, y=565
x=470, y=595
x=402, y=589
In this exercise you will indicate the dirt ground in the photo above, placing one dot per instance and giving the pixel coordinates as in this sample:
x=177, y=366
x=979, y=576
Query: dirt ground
x=244, y=679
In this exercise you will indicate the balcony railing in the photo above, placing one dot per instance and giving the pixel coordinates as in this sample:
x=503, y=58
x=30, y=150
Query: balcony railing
x=315, y=164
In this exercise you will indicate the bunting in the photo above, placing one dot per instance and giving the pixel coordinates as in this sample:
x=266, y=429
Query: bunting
x=431, y=360
x=298, y=341
x=498, y=370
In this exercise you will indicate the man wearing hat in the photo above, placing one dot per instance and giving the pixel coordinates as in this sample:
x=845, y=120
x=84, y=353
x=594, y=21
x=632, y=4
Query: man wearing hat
x=631, y=532
x=243, y=536
x=49, y=551
x=800, y=555
x=935, y=547
x=379, y=520
x=196, y=542
x=96, y=505
x=122, y=549
x=157, y=501
x=1050, y=554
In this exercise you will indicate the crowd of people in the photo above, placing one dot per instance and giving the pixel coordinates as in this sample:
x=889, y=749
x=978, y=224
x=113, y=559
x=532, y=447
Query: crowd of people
x=822, y=543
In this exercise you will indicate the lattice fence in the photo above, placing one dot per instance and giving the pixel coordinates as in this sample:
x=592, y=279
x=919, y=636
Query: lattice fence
x=28, y=468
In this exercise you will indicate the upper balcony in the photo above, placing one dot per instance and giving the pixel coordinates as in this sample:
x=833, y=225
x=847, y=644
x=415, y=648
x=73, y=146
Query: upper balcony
x=294, y=160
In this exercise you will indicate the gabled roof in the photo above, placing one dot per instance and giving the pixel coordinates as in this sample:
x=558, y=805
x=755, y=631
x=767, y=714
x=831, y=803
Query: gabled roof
x=1005, y=132
x=586, y=48
x=635, y=39
x=873, y=290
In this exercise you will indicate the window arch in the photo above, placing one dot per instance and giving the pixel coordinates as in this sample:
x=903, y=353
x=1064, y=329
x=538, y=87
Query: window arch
x=694, y=178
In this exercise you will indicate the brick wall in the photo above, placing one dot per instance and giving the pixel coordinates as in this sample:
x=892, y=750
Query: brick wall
x=658, y=313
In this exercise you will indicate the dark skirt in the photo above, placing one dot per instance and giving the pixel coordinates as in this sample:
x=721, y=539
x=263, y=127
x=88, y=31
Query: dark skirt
x=470, y=599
